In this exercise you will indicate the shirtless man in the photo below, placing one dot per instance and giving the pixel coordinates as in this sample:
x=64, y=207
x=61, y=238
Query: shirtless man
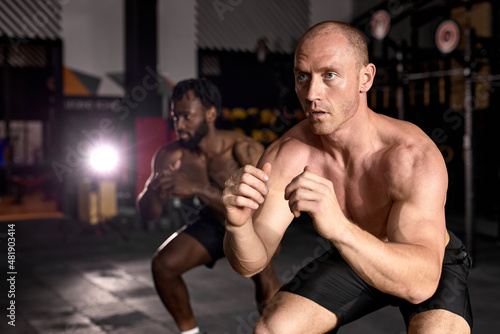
x=374, y=186
x=197, y=164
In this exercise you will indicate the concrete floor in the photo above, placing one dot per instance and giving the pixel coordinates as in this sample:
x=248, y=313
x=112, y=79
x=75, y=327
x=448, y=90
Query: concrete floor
x=71, y=279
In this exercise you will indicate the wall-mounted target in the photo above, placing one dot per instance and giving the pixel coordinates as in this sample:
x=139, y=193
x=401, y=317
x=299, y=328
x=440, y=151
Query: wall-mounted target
x=447, y=36
x=380, y=24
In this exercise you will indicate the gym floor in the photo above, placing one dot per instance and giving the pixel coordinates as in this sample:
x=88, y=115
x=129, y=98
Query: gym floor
x=71, y=278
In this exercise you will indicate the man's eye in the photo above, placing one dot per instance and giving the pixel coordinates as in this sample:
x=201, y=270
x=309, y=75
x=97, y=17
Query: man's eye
x=301, y=76
x=330, y=75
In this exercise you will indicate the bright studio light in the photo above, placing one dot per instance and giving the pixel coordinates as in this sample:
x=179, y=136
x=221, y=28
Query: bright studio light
x=103, y=159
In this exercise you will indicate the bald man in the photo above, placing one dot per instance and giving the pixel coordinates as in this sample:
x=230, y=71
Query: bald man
x=374, y=186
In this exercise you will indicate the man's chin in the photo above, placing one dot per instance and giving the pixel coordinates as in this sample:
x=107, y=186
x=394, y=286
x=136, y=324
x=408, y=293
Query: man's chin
x=320, y=129
x=188, y=144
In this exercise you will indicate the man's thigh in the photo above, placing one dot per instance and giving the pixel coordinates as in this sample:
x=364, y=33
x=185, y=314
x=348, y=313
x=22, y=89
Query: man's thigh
x=210, y=234
x=293, y=314
x=180, y=253
x=331, y=283
x=450, y=305
x=438, y=322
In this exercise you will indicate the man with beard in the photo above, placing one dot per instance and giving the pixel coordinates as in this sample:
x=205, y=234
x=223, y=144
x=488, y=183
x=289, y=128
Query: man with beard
x=197, y=166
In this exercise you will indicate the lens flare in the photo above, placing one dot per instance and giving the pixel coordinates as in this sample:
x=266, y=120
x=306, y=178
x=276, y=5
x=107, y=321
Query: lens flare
x=104, y=159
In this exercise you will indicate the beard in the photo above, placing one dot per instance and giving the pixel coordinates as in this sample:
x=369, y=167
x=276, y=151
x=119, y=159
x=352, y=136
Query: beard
x=195, y=139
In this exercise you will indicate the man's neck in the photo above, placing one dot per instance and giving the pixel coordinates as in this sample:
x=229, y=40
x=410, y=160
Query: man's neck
x=210, y=144
x=353, y=140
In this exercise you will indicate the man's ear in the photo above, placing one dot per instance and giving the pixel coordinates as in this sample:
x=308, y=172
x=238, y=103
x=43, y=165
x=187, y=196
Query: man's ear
x=367, y=75
x=211, y=114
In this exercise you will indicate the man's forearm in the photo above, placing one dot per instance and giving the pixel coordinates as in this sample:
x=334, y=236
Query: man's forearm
x=244, y=250
x=150, y=205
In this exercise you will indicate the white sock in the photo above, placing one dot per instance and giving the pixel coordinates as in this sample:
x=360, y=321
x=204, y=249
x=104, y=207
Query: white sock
x=195, y=330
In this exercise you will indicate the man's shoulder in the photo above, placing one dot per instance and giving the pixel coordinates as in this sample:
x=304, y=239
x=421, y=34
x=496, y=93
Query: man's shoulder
x=291, y=152
x=233, y=136
x=412, y=156
x=245, y=149
x=298, y=139
x=169, y=148
x=406, y=141
x=235, y=140
x=168, y=153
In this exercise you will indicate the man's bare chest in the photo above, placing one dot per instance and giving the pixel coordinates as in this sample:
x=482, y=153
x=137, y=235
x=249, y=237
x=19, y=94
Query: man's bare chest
x=216, y=168
x=364, y=199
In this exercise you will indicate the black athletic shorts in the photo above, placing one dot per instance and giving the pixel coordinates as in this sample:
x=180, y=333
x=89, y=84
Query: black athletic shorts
x=210, y=233
x=330, y=282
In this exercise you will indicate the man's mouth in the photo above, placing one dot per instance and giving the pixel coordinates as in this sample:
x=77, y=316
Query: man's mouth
x=317, y=112
x=183, y=135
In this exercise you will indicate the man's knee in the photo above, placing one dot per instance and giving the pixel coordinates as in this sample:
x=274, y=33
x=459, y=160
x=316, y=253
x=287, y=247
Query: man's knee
x=163, y=265
x=438, y=322
x=290, y=313
x=272, y=320
x=265, y=326
x=261, y=329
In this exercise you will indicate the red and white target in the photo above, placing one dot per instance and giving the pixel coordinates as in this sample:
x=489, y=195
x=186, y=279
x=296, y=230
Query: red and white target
x=447, y=36
x=380, y=24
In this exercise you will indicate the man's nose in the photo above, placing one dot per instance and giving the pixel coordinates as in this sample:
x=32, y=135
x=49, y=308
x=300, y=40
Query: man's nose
x=180, y=124
x=313, y=90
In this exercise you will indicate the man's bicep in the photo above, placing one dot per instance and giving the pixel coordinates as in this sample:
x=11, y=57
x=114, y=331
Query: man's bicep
x=419, y=218
x=411, y=223
x=418, y=189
